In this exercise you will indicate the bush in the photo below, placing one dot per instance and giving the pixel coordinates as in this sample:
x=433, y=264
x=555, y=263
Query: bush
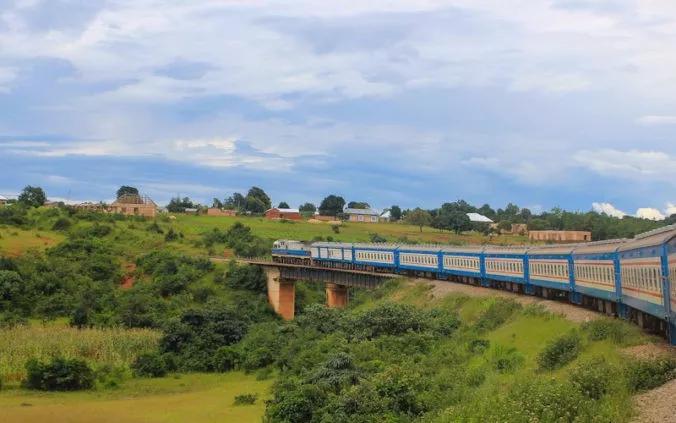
x=592, y=377
x=496, y=314
x=251, y=278
x=375, y=237
x=560, y=351
x=478, y=346
x=388, y=319
x=171, y=235
x=59, y=375
x=648, y=374
x=154, y=228
x=245, y=399
x=506, y=360
x=615, y=330
x=150, y=365
x=62, y=224
x=225, y=359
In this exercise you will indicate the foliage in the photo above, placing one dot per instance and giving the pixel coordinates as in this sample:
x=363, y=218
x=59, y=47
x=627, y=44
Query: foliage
x=332, y=205
x=178, y=205
x=283, y=205
x=60, y=374
x=648, y=374
x=560, y=351
x=497, y=313
x=358, y=205
x=32, y=196
x=307, y=208
x=374, y=237
x=395, y=213
x=62, y=224
x=245, y=399
x=257, y=201
x=247, y=277
x=506, y=359
x=418, y=217
x=126, y=190
x=388, y=319
x=615, y=330
x=150, y=365
x=592, y=377
x=225, y=359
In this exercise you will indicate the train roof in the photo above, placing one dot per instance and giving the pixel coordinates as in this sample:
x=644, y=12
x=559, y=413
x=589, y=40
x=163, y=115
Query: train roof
x=652, y=238
x=553, y=249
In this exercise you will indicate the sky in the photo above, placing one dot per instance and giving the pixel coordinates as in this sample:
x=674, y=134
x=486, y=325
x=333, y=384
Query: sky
x=567, y=103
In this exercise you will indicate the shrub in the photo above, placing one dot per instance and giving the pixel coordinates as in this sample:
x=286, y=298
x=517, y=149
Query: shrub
x=496, y=314
x=251, y=278
x=225, y=359
x=150, y=365
x=648, y=374
x=62, y=224
x=335, y=229
x=505, y=360
x=388, y=319
x=59, y=375
x=245, y=399
x=615, y=330
x=592, y=377
x=478, y=346
x=375, y=237
x=171, y=235
x=154, y=228
x=560, y=351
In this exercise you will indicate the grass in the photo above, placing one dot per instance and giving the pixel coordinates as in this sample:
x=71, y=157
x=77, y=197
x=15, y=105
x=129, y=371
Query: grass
x=195, y=397
x=114, y=346
x=15, y=242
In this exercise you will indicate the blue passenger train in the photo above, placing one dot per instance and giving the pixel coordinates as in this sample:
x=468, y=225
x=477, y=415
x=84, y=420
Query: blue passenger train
x=632, y=278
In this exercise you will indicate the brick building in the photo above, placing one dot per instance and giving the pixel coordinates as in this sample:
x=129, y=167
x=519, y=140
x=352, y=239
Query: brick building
x=134, y=205
x=213, y=211
x=362, y=215
x=277, y=213
x=560, y=236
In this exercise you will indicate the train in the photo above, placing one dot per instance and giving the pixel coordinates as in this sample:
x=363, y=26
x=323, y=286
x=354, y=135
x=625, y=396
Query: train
x=631, y=278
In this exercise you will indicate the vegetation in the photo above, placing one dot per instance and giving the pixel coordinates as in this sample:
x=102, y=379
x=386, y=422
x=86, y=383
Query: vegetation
x=59, y=374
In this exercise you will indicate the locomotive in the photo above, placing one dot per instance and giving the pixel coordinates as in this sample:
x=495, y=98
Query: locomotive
x=632, y=278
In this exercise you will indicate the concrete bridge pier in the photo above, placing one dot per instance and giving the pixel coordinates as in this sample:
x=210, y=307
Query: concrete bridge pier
x=336, y=295
x=281, y=293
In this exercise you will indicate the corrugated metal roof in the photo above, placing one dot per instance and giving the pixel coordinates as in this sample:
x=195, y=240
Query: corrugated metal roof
x=370, y=212
x=476, y=217
x=283, y=210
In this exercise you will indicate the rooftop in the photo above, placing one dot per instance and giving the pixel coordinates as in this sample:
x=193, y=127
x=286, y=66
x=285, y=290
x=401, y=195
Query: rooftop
x=476, y=217
x=370, y=212
x=283, y=210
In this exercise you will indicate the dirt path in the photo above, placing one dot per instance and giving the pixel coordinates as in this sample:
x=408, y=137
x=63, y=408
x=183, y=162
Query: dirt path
x=569, y=311
x=655, y=406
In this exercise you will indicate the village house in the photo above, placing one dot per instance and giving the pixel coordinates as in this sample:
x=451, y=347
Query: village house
x=3, y=200
x=278, y=213
x=134, y=205
x=560, y=236
x=362, y=215
x=214, y=211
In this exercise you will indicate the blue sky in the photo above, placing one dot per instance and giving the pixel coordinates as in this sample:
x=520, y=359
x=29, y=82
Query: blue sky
x=566, y=103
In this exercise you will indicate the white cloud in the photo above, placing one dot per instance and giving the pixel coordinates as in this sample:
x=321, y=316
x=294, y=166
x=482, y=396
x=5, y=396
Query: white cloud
x=652, y=120
x=608, y=209
x=649, y=213
x=671, y=209
x=650, y=165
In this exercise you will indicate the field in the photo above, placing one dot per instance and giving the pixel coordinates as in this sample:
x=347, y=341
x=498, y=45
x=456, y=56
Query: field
x=14, y=241
x=112, y=346
x=196, y=397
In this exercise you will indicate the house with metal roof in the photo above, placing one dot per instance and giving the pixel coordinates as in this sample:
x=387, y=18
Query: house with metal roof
x=362, y=215
x=478, y=218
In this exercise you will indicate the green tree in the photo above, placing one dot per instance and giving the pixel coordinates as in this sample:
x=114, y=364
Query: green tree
x=332, y=205
x=32, y=196
x=395, y=213
x=283, y=205
x=308, y=209
x=217, y=204
x=126, y=190
x=178, y=205
x=358, y=205
x=235, y=202
x=257, y=201
x=419, y=217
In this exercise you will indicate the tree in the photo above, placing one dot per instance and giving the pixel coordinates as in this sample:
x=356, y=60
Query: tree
x=217, y=204
x=419, y=217
x=332, y=205
x=32, y=196
x=235, y=202
x=395, y=213
x=257, y=201
x=458, y=221
x=487, y=211
x=358, y=205
x=283, y=205
x=308, y=208
x=126, y=190
x=178, y=205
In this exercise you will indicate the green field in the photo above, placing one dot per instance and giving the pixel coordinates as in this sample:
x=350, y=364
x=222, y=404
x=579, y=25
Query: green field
x=192, y=397
x=14, y=241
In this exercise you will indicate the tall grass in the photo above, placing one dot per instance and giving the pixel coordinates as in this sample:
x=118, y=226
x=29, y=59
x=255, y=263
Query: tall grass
x=114, y=346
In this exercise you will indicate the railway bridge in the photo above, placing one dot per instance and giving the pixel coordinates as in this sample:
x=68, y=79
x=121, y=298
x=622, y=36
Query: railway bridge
x=281, y=278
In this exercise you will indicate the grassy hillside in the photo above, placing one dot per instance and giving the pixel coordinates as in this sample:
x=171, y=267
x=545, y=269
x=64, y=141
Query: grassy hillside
x=196, y=397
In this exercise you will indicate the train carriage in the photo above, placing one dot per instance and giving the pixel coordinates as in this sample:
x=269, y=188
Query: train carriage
x=644, y=270
x=506, y=264
x=596, y=269
x=550, y=266
x=462, y=261
x=419, y=258
x=290, y=251
x=374, y=256
x=332, y=252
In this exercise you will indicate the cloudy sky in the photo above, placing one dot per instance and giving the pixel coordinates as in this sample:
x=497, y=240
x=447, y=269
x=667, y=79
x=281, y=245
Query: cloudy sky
x=544, y=103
